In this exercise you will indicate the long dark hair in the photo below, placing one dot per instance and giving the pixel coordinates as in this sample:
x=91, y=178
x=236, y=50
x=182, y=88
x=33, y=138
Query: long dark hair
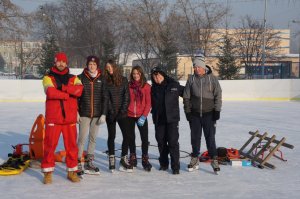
x=116, y=78
x=140, y=70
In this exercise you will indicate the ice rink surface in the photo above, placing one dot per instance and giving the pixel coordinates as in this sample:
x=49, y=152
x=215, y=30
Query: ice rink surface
x=237, y=119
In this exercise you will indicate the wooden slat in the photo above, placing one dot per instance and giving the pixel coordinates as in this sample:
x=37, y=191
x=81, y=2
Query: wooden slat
x=257, y=143
x=249, y=140
x=264, y=148
x=273, y=151
x=275, y=141
x=259, y=160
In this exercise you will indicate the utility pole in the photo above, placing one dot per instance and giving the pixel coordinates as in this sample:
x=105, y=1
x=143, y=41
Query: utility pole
x=264, y=43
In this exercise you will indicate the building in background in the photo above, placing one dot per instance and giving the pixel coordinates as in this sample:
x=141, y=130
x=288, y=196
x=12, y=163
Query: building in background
x=20, y=58
x=279, y=62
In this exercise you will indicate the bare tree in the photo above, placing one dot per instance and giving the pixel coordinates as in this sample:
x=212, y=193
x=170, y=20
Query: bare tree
x=81, y=28
x=249, y=41
x=9, y=13
x=199, y=19
x=152, y=32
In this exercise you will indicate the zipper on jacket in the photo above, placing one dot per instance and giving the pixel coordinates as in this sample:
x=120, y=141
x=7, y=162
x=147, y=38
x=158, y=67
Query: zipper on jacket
x=201, y=98
x=134, y=108
x=92, y=98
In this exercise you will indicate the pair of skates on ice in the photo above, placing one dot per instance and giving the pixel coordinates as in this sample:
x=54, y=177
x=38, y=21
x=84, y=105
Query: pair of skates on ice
x=125, y=165
x=194, y=164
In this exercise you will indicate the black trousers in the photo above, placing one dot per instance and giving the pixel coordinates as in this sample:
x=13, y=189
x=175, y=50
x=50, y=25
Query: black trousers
x=111, y=127
x=143, y=132
x=167, y=136
x=206, y=123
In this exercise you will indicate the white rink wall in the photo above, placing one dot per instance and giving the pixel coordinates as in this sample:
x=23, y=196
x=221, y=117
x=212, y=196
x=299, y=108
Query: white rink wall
x=271, y=89
x=247, y=90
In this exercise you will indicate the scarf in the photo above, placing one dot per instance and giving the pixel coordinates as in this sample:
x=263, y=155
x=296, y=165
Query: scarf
x=136, y=86
x=93, y=75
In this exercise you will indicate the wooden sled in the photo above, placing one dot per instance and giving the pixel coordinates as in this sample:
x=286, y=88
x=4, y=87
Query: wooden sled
x=262, y=145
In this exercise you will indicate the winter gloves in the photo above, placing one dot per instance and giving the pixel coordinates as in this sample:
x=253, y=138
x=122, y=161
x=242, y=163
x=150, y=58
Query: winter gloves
x=188, y=116
x=141, y=121
x=101, y=120
x=216, y=115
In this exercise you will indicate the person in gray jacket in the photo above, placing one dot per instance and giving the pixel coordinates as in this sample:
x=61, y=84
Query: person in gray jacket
x=202, y=100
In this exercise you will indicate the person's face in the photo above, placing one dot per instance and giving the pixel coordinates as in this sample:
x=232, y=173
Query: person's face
x=60, y=65
x=199, y=70
x=92, y=66
x=109, y=69
x=136, y=75
x=158, y=78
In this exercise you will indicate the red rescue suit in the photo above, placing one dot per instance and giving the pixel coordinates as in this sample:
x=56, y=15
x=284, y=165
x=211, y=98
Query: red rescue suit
x=62, y=91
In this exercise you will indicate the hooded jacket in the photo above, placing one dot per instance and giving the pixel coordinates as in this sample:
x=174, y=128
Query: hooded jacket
x=202, y=94
x=138, y=108
x=165, y=101
x=62, y=90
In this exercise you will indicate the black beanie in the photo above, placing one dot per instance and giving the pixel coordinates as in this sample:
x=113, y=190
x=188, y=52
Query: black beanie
x=158, y=69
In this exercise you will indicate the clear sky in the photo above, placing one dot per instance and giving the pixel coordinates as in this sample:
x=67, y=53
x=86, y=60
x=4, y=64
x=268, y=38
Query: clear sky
x=280, y=13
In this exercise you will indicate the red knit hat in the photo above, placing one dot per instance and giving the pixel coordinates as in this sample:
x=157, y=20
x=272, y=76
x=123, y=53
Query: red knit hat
x=61, y=56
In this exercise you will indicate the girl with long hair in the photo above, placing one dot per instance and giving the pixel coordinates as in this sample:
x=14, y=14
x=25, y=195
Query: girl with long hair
x=117, y=94
x=138, y=110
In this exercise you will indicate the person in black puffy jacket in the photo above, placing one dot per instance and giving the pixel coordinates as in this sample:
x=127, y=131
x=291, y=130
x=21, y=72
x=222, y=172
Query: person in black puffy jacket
x=117, y=93
x=92, y=112
x=165, y=94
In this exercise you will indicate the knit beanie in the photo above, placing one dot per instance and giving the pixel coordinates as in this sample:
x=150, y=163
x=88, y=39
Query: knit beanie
x=61, y=56
x=199, y=62
x=93, y=59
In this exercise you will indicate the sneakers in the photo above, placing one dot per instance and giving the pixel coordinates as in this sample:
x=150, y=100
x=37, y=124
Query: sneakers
x=80, y=171
x=112, y=163
x=73, y=177
x=145, y=162
x=124, y=165
x=47, y=177
x=133, y=160
x=194, y=164
x=89, y=167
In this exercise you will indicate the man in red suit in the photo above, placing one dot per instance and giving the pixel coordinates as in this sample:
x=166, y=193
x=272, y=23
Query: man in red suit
x=62, y=90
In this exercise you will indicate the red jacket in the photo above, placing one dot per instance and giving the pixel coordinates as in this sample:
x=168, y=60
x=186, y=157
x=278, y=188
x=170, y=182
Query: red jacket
x=61, y=103
x=138, y=108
